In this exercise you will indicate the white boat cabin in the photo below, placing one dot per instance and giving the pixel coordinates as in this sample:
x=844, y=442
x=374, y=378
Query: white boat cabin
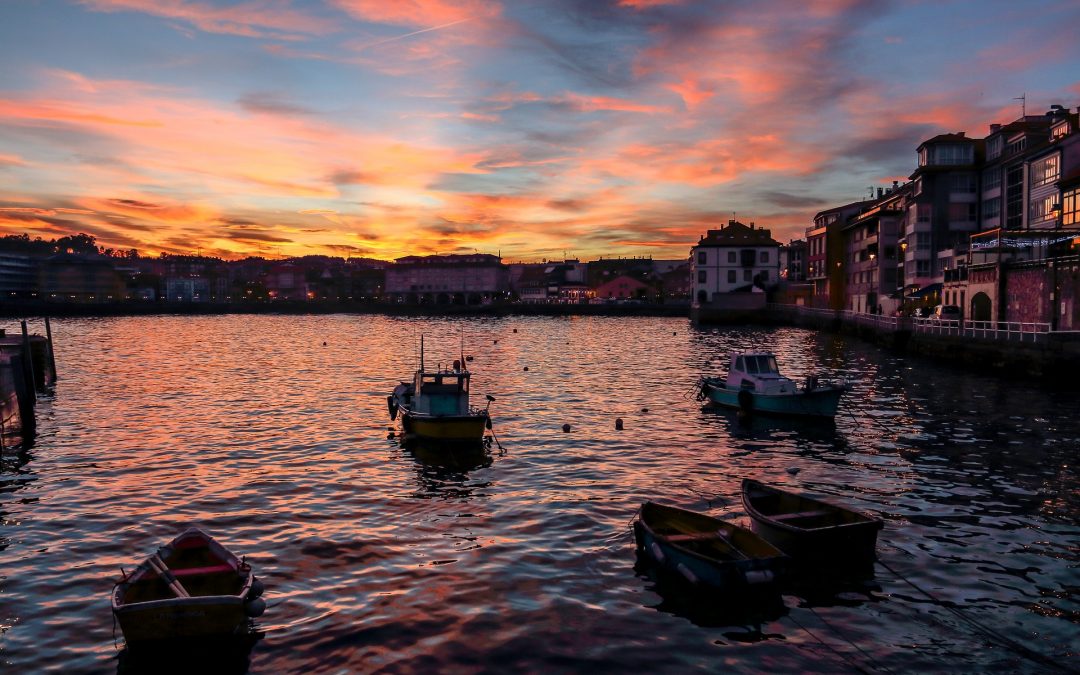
x=757, y=372
x=441, y=392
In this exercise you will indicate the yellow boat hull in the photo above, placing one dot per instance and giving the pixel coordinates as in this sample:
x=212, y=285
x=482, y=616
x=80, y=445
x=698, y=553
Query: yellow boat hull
x=445, y=427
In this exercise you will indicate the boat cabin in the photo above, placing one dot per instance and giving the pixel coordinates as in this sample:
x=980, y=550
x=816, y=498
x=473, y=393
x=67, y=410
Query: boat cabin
x=442, y=392
x=757, y=372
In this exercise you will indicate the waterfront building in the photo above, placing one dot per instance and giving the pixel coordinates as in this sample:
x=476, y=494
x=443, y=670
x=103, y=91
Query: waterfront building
x=623, y=288
x=736, y=259
x=942, y=212
x=76, y=278
x=871, y=252
x=187, y=289
x=793, y=261
x=825, y=268
x=18, y=276
x=445, y=279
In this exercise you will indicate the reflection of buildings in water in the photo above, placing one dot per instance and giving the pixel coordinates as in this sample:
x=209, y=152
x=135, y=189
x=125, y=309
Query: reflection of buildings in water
x=442, y=470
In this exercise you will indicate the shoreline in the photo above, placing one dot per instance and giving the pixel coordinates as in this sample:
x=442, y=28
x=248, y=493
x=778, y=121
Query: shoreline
x=21, y=310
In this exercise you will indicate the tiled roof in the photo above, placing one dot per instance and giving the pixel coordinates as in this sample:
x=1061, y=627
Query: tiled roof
x=737, y=234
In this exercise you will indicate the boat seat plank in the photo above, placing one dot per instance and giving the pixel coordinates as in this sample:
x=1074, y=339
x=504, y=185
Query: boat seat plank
x=801, y=514
x=697, y=536
x=209, y=569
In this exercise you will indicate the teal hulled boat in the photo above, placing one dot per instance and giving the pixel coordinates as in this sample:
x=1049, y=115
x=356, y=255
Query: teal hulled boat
x=754, y=384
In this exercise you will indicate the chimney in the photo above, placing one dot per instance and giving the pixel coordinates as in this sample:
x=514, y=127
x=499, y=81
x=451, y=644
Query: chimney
x=895, y=184
x=994, y=128
x=880, y=192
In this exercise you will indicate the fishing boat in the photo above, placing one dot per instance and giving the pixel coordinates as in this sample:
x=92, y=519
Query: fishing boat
x=811, y=531
x=191, y=587
x=754, y=384
x=435, y=404
x=707, y=551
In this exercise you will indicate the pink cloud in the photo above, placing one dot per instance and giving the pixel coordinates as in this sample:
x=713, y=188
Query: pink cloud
x=420, y=13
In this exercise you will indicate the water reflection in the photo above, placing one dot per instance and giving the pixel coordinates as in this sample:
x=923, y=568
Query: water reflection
x=221, y=656
x=443, y=469
x=747, y=610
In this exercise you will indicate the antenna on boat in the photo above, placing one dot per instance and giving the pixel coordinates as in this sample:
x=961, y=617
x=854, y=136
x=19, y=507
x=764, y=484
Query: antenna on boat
x=463, y=348
x=421, y=351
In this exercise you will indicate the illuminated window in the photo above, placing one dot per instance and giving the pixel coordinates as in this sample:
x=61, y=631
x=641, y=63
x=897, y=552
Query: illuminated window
x=1044, y=171
x=1070, y=207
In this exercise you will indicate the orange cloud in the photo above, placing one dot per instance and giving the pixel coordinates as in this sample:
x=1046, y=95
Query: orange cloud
x=420, y=13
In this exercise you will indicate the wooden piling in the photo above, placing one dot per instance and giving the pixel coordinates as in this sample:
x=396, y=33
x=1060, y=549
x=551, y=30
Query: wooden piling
x=28, y=367
x=52, y=354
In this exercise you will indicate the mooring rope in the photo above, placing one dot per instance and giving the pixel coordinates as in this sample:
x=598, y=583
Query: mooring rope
x=843, y=657
x=988, y=631
x=843, y=637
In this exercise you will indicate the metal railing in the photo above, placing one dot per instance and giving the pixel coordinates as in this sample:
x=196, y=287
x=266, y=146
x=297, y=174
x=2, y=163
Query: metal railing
x=1015, y=331
x=881, y=321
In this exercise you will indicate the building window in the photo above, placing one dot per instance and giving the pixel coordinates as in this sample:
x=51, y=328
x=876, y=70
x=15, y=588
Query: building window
x=922, y=241
x=918, y=185
x=1042, y=209
x=922, y=268
x=924, y=212
x=747, y=275
x=702, y=258
x=731, y=256
x=993, y=147
x=962, y=183
x=764, y=257
x=1044, y=171
x=1059, y=131
x=1070, y=207
x=731, y=276
x=702, y=276
x=1014, y=197
x=991, y=208
x=991, y=180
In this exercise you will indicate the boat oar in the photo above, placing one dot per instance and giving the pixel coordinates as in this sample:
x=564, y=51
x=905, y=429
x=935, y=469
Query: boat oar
x=159, y=566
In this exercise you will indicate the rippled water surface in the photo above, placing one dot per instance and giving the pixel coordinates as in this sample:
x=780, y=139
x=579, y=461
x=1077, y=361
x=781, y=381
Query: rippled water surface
x=520, y=559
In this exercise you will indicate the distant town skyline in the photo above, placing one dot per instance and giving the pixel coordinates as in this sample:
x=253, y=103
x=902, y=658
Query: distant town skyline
x=580, y=128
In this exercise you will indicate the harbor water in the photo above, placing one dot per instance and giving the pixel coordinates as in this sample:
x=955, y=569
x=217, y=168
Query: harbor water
x=272, y=433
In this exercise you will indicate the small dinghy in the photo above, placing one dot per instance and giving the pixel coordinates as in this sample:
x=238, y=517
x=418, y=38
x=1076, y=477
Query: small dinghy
x=192, y=587
x=811, y=531
x=707, y=551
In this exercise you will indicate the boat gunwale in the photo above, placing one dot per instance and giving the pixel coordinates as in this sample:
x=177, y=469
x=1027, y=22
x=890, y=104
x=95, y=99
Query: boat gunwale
x=866, y=520
x=145, y=569
x=778, y=557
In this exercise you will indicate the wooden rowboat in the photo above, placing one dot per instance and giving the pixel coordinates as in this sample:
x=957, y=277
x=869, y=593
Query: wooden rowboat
x=192, y=587
x=811, y=531
x=707, y=551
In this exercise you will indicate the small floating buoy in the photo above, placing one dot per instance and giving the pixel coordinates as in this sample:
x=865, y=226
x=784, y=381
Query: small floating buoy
x=618, y=424
x=526, y=368
x=468, y=358
x=566, y=428
x=793, y=470
x=644, y=410
x=496, y=342
x=515, y=330
x=324, y=343
x=674, y=333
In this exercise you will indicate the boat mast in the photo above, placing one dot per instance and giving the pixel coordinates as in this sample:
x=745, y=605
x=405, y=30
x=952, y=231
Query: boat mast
x=421, y=351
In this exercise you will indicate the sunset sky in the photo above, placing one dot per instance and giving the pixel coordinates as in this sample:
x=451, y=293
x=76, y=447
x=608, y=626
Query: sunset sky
x=534, y=129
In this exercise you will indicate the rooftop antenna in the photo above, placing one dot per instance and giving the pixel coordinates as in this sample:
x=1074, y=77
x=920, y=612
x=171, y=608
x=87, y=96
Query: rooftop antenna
x=1023, y=103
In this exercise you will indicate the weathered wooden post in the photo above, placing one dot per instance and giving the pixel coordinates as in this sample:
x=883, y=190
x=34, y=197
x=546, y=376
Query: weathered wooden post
x=27, y=397
x=28, y=364
x=52, y=355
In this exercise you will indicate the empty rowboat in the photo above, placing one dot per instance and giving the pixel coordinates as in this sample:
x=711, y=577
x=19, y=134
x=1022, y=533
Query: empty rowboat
x=707, y=551
x=192, y=587
x=811, y=531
